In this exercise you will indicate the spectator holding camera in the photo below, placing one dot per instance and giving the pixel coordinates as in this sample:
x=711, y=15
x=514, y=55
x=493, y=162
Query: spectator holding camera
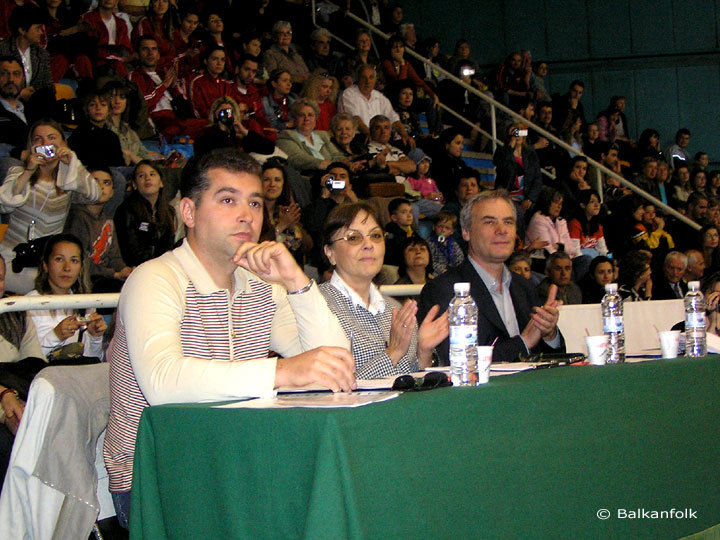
x=232, y=128
x=37, y=194
x=334, y=188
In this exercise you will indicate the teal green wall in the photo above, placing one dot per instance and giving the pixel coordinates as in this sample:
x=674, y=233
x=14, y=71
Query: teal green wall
x=664, y=55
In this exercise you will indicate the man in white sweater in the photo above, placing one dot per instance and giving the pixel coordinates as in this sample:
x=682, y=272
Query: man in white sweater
x=197, y=323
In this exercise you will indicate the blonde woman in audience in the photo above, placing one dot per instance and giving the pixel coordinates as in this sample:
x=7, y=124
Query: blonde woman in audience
x=37, y=195
x=323, y=89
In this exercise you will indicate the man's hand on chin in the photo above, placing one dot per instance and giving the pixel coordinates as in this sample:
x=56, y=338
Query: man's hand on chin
x=272, y=262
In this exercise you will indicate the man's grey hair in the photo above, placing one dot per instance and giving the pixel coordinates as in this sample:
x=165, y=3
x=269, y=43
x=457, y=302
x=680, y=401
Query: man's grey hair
x=320, y=33
x=676, y=255
x=558, y=255
x=693, y=256
x=375, y=120
x=280, y=25
x=467, y=210
x=404, y=27
x=360, y=69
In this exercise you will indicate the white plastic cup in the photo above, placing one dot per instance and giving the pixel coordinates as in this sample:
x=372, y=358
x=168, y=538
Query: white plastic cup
x=669, y=343
x=484, y=359
x=597, y=348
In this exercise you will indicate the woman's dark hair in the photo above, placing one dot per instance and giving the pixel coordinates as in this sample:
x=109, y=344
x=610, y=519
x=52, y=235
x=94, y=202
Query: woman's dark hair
x=285, y=197
x=167, y=26
x=447, y=135
x=701, y=236
x=42, y=281
x=645, y=136
x=13, y=324
x=394, y=39
x=595, y=263
x=398, y=87
x=693, y=175
x=547, y=196
x=632, y=266
x=588, y=227
x=460, y=42
x=164, y=218
x=427, y=45
x=211, y=49
x=414, y=240
x=342, y=216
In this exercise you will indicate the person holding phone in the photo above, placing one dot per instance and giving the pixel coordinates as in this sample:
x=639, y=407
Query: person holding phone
x=37, y=195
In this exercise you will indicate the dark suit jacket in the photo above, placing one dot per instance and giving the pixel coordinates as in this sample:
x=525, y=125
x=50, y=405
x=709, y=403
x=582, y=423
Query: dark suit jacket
x=13, y=131
x=39, y=58
x=662, y=291
x=490, y=325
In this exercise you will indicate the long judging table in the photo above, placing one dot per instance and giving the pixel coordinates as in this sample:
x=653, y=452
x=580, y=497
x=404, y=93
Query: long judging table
x=533, y=455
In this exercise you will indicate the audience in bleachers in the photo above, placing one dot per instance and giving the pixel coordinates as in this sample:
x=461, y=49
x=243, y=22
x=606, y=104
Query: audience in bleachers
x=159, y=76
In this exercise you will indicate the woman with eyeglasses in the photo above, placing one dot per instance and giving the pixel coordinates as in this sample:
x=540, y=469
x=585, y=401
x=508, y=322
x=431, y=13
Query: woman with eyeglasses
x=282, y=54
x=384, y=335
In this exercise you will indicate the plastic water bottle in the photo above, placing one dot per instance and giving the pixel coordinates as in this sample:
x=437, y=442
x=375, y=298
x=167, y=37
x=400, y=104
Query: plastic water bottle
x=695, y=344
x=613, y=327
x=462, y=314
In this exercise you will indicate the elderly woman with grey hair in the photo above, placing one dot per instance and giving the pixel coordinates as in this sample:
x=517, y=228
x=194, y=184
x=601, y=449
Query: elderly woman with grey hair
x=282, y=55
x=307, y=149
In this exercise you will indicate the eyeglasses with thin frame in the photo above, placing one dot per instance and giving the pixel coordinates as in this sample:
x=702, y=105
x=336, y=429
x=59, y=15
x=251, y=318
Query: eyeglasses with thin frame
x=356, y=238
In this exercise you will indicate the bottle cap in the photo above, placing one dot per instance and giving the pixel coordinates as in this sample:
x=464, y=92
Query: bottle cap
x=611, y=288
x=461, y=288
x=694, y=286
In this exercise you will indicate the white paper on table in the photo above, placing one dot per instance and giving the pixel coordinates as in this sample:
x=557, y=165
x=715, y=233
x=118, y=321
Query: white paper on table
x=713, y=343
x=314, y=400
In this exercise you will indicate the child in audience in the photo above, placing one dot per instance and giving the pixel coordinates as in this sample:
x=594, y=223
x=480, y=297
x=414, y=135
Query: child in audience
x=444, y=248
x=398, y=230
x=519, y=263
x=145, y=221
x=431, y=199
x=96, y=232
x=92, y=141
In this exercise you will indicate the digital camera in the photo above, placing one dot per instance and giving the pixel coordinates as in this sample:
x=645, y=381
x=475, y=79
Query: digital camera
x=333, y=184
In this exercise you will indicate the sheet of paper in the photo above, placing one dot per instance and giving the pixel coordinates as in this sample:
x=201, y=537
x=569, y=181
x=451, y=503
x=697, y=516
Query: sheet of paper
x=314, y=400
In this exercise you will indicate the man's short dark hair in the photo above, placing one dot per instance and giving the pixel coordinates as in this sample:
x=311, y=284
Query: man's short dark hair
x=208, y=52
x=9, y=58
x=606, y=146
x=23, y=17
x=577, y=82
x=695, y=198
x=574, y=160
x=680, y=132
x=397, y=203
x=194, y=180
x=247, y=58
x=143, y=38
x=101, y=168
x=544, y=105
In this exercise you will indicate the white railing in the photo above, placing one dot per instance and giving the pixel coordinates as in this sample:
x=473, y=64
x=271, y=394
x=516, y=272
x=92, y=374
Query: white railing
x=496, y=105
x=110, y=300
x=59, y=301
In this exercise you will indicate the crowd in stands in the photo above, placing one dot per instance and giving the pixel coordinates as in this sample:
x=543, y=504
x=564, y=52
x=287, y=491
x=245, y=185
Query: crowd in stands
x=347, y=139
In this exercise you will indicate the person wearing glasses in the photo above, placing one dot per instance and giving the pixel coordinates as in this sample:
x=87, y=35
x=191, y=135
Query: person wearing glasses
x=282, y=55
x=384, y=336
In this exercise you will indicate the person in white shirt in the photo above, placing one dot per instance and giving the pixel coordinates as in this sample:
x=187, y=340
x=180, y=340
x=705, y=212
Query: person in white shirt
x=62, y=273
x=364, y=102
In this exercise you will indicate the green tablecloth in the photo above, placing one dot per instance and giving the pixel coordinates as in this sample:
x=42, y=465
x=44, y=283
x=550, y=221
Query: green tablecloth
x=534, y=455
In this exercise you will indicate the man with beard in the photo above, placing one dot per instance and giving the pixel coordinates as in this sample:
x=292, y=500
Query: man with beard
x=13, y=123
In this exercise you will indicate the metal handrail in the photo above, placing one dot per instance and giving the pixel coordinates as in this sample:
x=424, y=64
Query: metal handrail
x=496, y=104
x=110, y=300
x=59, y=301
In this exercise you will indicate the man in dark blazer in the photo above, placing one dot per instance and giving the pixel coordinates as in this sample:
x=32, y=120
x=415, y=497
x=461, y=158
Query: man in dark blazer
x=27, y=24
x=509, y=312
x=670, y=284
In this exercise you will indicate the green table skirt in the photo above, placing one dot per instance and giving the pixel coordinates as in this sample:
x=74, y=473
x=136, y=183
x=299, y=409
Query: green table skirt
x=533, y=455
